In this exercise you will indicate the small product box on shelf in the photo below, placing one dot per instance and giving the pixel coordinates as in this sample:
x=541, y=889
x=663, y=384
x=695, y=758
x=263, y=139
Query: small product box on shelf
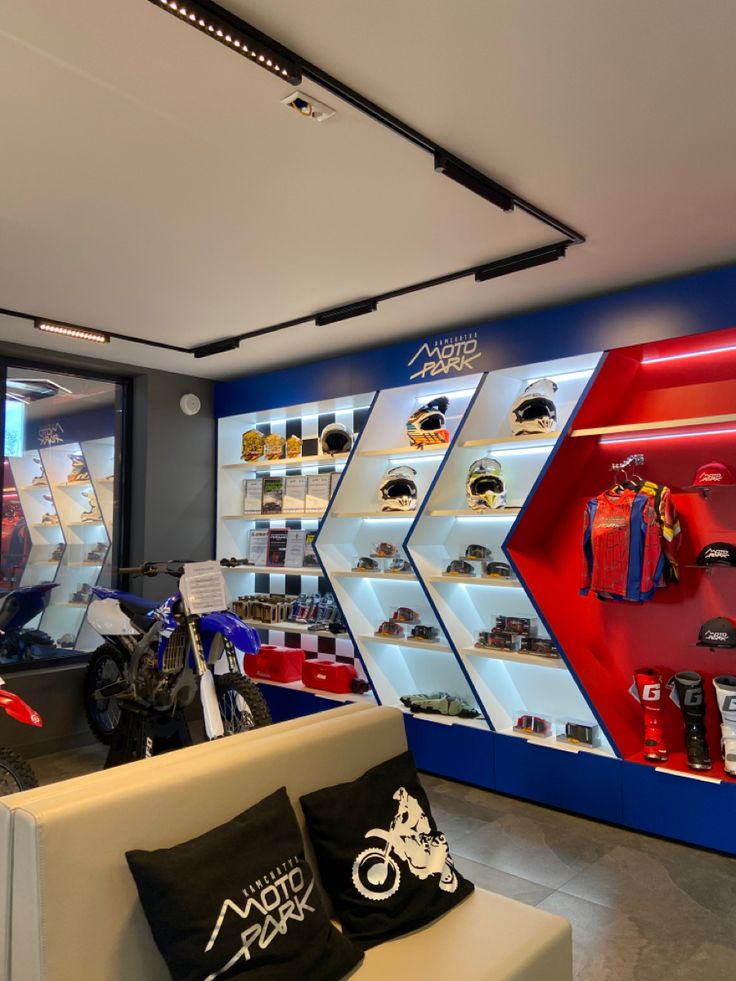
x=273, y=495
x=282, y=664
x=578, y=732
x=526, y=626
x=277, y=540
x=258, y=546
x=329, y=676
x=295, y=541
x=499, y=640
x=252, y=495
x=532, y=724
x=310, y=556
x=541, y=646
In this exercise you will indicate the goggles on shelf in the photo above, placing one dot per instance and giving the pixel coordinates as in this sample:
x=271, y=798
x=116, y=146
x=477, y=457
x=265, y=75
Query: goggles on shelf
x=459, y=567
x=384, y=550
x=232, y=562
x=533, y=723
x=398, y=565
x=390, y=629
x=366, y=563
x=405, y=614
x=499, y=570
x=425, y=633
x=478, y=552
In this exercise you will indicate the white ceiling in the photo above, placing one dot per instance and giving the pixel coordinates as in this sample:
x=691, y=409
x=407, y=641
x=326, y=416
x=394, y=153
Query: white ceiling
x=152, y=185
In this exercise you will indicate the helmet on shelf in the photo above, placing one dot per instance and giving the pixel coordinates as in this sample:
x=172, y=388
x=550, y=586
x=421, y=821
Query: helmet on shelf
x=398, y=490
x=426, y=425
x=252, y=445
x=335, y=438
x=485, y=487
x=534, y=411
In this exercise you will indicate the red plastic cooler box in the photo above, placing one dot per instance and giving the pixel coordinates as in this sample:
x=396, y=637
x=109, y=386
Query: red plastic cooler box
x=275, y=663
x=328, y=676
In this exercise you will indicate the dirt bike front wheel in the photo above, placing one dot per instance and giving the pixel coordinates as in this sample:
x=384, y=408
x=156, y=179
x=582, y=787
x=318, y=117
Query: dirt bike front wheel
x=15, y=773
x=376, y=876
x=242, y=706
x=106, y=667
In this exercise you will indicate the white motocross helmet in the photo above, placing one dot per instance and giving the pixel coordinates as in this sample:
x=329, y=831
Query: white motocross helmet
x=485, y=487
x=398, y=490
x=336, y=438
x=534, y=411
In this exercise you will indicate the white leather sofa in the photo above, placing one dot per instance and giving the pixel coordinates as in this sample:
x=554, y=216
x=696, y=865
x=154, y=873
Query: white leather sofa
x=69, y=908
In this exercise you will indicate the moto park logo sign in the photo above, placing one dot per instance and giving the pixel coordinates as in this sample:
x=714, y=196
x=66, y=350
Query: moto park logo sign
x=457, y=353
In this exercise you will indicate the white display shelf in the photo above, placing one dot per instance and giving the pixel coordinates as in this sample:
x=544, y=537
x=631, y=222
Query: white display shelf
x=73, y=483
x=276, y=570
x=552, y=743
x=376, y=515
x=287, y=462
x=275, y=516
x=366, y=698
x=517, y=657
x=41, y=524
x=94, y=565
x=84, y=524
x=368, y=574
x=470, y=513
x=509, y=442
x=34, y=487
x=409, y=451
x=421, y=645
x=284, y=626
x=488, y=581
x=444, y=720
x=504, y=683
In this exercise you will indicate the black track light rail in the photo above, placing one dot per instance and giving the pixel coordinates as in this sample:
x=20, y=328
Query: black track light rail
x=445, y=162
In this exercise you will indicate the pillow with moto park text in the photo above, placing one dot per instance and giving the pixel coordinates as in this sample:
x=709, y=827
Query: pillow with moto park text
x=240, y=901
x=381, y=858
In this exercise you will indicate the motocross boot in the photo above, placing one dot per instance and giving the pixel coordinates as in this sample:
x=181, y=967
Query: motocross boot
x=725, y=686
x=649, y=686
x=691, y=695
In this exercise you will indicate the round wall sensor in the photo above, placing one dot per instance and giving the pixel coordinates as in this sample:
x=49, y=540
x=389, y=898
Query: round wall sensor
x=190, y=404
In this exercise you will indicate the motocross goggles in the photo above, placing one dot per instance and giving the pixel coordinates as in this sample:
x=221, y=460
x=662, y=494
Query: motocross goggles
x=405, y=614
x=390, y=629
x=398, y=565
x=533, y=723
x=475, y=552
x=421, y=632
x=366, y=563
x=499, y=570
x=384, y=550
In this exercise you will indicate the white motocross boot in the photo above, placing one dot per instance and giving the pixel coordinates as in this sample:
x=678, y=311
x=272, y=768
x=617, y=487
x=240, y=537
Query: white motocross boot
x=725, y=686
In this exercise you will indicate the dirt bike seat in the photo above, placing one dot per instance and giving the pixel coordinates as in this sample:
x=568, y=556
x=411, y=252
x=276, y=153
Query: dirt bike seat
x=138, y=613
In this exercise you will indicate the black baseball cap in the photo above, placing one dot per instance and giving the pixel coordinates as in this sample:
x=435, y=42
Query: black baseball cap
x=717, y=553
x=718, y=632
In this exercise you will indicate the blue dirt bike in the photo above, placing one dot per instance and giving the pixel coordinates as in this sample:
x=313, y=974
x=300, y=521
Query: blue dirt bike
x=162, y=658
x=17, y=608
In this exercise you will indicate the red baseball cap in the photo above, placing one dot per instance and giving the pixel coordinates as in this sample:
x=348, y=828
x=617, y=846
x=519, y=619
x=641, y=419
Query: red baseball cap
x=714, y=473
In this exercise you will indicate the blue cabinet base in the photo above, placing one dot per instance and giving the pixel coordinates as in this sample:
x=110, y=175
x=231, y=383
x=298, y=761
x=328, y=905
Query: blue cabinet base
x=290, y=703
x=458, y=752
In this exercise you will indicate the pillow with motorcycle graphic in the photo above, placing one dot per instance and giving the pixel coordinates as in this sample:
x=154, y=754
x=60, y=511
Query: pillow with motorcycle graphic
x=384, y=863
x=240, y=901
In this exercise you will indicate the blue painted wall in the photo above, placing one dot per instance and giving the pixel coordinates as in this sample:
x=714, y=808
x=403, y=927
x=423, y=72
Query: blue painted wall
x=688, y=305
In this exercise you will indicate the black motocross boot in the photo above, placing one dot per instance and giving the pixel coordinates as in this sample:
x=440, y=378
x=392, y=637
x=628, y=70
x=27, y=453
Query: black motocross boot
x=691, y=695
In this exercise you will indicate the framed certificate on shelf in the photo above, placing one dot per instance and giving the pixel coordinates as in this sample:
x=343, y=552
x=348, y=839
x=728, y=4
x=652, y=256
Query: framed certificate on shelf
x=252, y=495
x=318, y=492
x=295, y=490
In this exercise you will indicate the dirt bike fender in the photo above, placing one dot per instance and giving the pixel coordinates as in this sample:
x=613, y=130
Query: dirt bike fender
x=242, y=637
x=378, y=833
x=18, y=709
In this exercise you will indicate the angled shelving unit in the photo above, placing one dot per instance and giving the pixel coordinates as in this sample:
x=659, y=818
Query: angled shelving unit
x=306, y=422
x=508, y=683
x=355, y=523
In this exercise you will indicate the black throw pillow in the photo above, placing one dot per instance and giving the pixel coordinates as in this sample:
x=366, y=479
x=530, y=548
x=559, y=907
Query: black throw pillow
x=382, y=860
x=240, y=901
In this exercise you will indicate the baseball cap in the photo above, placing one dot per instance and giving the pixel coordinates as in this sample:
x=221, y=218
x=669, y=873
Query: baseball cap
x=713, y=473
x=717, y=553
x=718, y=632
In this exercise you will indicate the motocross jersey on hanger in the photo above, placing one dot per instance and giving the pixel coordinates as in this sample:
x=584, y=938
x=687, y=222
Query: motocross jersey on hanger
x=669, y=526
x=622, y=550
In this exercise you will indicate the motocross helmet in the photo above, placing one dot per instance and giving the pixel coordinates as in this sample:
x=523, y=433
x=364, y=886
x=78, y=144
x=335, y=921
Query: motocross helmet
x=485, y=487
x=274, y=444
x=534, y=412
x=398, y=490
x=336, y=438
x=252, y=445
x=293, y=447
x=426, y=425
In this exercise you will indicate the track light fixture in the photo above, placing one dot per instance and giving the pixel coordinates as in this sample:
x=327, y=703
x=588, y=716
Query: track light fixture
x=473, y=181
x=345, y=313
x=524, y=260
x=217, y=347
x=229, y=30
x=69, y=330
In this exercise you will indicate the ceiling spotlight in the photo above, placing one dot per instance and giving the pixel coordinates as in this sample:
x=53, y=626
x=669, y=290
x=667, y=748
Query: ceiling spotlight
x=229, y=30
x=69, y=330
x=524, y=260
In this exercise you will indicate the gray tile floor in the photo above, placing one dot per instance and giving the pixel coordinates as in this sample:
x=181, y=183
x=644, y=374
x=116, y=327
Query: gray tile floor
x=642, y=909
